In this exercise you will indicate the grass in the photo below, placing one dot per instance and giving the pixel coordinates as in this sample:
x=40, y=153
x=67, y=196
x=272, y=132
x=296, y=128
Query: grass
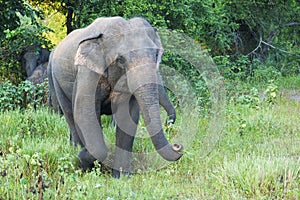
x=257, y=157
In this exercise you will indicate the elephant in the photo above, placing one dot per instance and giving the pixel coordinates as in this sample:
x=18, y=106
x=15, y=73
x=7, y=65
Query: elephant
x=39, y=74
x=111, y=67
x=32, y=57
x=34, y=64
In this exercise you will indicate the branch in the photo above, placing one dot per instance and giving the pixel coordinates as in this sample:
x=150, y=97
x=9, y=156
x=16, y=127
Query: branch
x=270, y=38
x=284, y=51
x=258, y=46
x=276, y=31
x=292, y=24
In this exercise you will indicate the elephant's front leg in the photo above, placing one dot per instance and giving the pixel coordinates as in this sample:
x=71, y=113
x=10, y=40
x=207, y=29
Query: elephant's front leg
x=127, y=117
x=86, y=117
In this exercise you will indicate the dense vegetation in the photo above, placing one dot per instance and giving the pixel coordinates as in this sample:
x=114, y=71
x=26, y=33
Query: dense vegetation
x=264, y=34
x=255, y=47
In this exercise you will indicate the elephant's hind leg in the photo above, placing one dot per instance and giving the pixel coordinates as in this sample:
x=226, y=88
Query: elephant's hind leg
x=127, y=117
x=66, y=107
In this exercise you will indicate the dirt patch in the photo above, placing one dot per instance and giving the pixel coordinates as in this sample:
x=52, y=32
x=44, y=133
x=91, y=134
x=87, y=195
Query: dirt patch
x=292, y=94
x=295, y=97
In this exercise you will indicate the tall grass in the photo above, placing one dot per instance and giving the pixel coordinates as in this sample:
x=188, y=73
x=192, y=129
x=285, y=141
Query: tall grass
x=257, y=157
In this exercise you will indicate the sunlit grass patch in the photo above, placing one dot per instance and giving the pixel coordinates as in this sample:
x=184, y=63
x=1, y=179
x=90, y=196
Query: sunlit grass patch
x=256, y=176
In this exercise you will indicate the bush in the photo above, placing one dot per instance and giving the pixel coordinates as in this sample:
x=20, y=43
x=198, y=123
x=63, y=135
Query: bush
x=242, y=68
x=23, y=95
x=190, y=74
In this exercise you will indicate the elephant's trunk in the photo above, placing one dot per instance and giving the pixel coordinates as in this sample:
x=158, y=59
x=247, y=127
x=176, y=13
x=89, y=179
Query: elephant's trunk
x=146, y=93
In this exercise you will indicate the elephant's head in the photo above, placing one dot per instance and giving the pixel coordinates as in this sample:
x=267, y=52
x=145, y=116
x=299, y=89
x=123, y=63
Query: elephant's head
x=32, y=57
x=134, y=46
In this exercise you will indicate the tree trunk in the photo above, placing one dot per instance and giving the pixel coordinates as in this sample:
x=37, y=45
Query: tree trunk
x=70, y=11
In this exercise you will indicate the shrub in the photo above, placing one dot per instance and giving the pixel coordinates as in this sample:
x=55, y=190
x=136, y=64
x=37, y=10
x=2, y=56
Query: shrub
x=23, y=95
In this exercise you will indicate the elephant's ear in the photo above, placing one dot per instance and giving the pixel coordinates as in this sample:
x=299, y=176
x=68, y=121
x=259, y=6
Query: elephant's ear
x=45, y=53
x=90, y=55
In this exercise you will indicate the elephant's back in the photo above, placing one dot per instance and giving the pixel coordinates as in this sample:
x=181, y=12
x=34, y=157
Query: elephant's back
x=69, y=45
x=63, y=69
x=67, y=48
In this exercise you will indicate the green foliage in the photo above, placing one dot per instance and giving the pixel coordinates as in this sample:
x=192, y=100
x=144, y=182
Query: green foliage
x=251, y=99
x=234, y=70
x=291, y=82
x=231, y=29
x=207, y=21
x=256, y=97
x=242, y=68
x=55, y=21
x=271, y=92
x=9, y=11
x=190, y=74
x=28, y=32
x=11, y=70
x=23, y=95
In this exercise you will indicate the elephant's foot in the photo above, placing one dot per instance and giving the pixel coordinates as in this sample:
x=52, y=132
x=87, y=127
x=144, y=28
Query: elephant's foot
x=86, y=160
x=122, y=162
x=117, y=173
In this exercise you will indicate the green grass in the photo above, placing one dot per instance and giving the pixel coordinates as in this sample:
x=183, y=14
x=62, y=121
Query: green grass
x=257, y=157
x=292, y=82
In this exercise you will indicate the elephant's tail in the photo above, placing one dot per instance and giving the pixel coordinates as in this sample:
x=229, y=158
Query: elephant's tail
x=52, y=98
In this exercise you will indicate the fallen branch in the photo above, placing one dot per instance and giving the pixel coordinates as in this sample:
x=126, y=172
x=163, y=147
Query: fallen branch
x=258, y=46
x=284, y=51
x=269, y=39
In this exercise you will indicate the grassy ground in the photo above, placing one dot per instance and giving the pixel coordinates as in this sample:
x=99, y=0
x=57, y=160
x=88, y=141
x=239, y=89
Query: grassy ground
x=257, y=157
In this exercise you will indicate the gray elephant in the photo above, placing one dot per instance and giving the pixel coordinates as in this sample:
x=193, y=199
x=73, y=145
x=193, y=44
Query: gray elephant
x=34, y=65
x=32, y=57
x=39, y=74
x=111, y=67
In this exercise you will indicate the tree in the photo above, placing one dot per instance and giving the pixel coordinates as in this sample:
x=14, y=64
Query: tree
x=264, y=30
x=9, y=18
x=265, y=22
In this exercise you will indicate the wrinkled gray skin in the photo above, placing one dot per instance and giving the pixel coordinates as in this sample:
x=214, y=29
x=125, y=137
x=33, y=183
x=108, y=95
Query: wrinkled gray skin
x=39, y=74
x=111, y=67
x=34, y=56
